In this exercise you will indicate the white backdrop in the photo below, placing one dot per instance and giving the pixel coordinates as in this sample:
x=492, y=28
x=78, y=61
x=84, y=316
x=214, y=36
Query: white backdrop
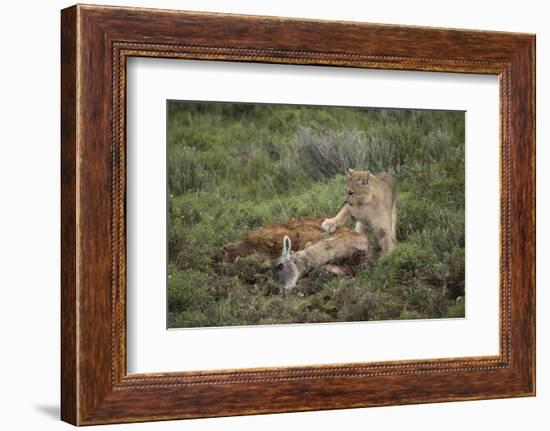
x=151, y=348
x=29, y=228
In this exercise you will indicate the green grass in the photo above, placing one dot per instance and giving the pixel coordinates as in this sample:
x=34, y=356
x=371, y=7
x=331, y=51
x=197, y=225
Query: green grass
x=233, y=167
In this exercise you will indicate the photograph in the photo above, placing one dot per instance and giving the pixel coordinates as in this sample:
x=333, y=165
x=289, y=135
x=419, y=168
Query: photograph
x=294, y=214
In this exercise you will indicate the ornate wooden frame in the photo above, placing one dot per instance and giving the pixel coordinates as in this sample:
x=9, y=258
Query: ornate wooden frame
x=95, y=43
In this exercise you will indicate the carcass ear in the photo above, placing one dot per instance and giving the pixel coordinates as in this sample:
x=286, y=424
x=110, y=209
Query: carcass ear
x=286, y=246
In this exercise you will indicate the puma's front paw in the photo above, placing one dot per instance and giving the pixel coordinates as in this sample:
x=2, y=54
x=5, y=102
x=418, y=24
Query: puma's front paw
x=329, y=225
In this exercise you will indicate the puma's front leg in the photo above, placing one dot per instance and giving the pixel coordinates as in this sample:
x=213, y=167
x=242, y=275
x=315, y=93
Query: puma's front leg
x=361, y=228
x=387, y=243
x=331, y=224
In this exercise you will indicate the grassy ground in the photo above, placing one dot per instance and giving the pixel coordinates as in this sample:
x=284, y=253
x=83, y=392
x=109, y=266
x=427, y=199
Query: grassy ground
x=233, y=167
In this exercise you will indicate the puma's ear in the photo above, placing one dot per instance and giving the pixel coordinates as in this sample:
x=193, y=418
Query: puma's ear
x=286, y=246
x=349, y=171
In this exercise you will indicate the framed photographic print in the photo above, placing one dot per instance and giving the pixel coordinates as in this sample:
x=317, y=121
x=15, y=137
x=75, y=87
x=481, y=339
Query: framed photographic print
x=266, y=215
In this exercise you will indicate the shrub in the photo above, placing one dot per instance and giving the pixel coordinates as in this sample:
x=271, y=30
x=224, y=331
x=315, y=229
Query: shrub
x=185, y=170
x=323, y=153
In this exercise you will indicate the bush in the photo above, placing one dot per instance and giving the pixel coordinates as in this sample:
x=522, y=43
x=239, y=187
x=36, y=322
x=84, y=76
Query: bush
x=323, y=153
x=186, y=171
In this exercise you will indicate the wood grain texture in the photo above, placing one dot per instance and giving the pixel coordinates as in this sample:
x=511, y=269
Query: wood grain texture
x=69, y=367
x=96, y=41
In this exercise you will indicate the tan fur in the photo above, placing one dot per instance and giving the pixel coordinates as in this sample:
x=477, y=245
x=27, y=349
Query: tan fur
x=266, y=241
x=340, y=246
x=290, y=267
x=370, y=200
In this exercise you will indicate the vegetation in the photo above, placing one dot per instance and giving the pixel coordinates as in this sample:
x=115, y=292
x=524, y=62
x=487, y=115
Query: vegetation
x=233, y=167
